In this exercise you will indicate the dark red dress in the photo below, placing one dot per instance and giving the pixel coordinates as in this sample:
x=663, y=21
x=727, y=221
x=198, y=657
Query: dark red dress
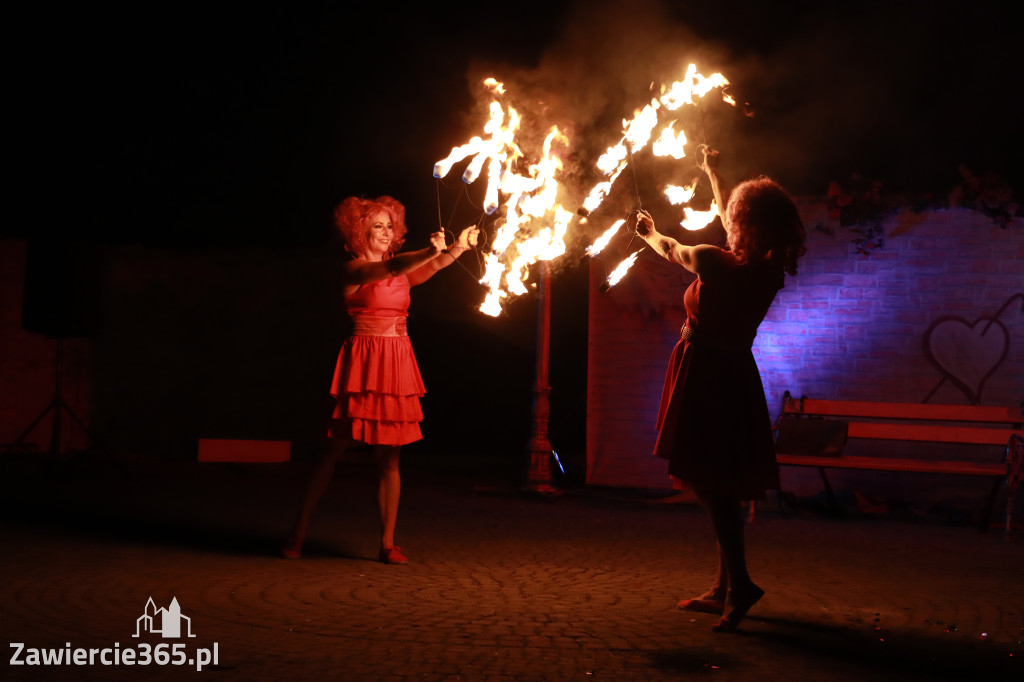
x=377, y=383
x=713, y=422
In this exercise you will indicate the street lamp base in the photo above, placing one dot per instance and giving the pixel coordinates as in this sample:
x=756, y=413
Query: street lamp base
x=542, y=489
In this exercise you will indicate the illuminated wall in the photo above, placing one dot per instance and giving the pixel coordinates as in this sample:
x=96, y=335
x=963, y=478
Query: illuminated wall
x=847, y=326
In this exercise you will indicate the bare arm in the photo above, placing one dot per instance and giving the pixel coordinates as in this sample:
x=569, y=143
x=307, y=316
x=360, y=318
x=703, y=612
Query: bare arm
x=359, y=271
x=710, y=166
x=467, y=240
x=692, y=258
x=696, y=259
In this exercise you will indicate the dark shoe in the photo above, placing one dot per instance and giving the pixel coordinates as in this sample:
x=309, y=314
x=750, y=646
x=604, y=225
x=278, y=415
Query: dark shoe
x=393, y=555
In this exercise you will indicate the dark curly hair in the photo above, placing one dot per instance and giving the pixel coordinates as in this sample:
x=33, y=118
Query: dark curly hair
x=765, y=223
x=354, y=219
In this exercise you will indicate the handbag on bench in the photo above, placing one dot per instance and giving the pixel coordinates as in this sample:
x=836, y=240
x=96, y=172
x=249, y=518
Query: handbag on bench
x=810, y=436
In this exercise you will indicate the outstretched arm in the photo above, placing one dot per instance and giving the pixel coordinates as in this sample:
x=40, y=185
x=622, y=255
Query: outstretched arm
x=467, y=240
x=690, y=257
x=359, y=272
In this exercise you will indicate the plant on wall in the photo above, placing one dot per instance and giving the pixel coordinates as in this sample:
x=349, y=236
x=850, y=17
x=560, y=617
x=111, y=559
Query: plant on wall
x=988, y=194
x=858, y=206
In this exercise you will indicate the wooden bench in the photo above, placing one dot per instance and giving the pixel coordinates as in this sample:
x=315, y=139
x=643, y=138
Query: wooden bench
x=998, y=427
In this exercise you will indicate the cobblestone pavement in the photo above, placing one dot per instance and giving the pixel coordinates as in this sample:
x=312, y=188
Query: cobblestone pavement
x=502, y=586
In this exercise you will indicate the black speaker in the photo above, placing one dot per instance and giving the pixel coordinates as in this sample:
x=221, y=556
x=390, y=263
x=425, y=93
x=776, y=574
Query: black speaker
x=61, y=287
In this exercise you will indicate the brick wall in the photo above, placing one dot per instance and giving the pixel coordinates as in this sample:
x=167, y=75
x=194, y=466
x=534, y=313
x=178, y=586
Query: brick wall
x=847, y=326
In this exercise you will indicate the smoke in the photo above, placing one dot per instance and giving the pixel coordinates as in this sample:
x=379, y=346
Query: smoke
x=601, y=69
x=900, y=91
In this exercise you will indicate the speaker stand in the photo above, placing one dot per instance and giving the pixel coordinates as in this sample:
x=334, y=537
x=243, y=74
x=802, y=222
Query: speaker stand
x=56, y=406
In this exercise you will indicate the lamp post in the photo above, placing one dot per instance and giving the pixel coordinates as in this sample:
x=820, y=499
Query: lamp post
x=538, y=478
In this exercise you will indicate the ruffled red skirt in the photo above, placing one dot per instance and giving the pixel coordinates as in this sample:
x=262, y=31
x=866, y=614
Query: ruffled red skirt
x=377, y=388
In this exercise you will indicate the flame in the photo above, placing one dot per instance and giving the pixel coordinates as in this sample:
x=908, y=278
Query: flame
x=637, y=132
x=670, y=143
x=693, y=83
x=494, y=86
x=680, y=195
x=696, y=220
x=619, y=272
x=602, y=241
x=497, y=152
x=533, y=225
x=600, y=191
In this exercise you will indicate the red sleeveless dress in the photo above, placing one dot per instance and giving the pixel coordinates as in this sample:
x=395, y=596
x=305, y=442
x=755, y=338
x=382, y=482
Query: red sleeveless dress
x=377, y=384
x=713, y=422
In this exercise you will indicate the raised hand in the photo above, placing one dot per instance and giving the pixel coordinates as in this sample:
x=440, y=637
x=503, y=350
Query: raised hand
x=468, y=237
x=437, y=241
x=644, y=223
x=710, y=161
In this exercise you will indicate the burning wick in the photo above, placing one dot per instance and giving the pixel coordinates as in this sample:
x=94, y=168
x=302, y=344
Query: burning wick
x=619, y=272
x=602, y=241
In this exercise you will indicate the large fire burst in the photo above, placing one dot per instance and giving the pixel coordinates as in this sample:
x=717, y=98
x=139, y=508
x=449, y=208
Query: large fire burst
x=533, y=224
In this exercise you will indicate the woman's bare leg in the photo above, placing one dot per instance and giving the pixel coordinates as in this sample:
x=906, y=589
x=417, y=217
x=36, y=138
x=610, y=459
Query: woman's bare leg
x=721, y=585
x=317, y=485
x=728, y=522
x=389, y=489
x=713, y=600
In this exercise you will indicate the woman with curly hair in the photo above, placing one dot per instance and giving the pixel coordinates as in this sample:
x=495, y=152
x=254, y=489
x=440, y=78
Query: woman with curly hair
x=713, y=421
x=377, y=384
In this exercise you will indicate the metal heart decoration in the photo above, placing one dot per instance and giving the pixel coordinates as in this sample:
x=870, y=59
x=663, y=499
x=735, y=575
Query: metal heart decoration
x=967, y=353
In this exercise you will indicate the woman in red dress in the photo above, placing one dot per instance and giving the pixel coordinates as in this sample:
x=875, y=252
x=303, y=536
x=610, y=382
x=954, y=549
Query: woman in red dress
x=713, y=423
x=377, y=384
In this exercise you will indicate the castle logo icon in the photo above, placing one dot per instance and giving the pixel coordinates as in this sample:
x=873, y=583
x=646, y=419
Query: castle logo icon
x=167, y=622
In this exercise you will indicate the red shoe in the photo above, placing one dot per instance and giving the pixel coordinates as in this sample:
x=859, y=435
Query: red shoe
x=393, y=555
x=292, y=549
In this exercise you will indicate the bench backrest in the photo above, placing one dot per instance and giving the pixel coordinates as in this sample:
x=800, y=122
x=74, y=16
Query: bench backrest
x=1009, y=416
x=976, y=424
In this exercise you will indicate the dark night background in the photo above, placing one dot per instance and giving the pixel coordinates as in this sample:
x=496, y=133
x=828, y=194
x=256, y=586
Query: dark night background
x=204, y=129
x=174, y=125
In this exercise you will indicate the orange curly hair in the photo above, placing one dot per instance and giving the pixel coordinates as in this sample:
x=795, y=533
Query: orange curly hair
x=354, y=219
x=765, y=223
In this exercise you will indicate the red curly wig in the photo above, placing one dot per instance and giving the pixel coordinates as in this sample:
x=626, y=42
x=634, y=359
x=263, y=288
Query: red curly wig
x=764, y=223
x=354, y=219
